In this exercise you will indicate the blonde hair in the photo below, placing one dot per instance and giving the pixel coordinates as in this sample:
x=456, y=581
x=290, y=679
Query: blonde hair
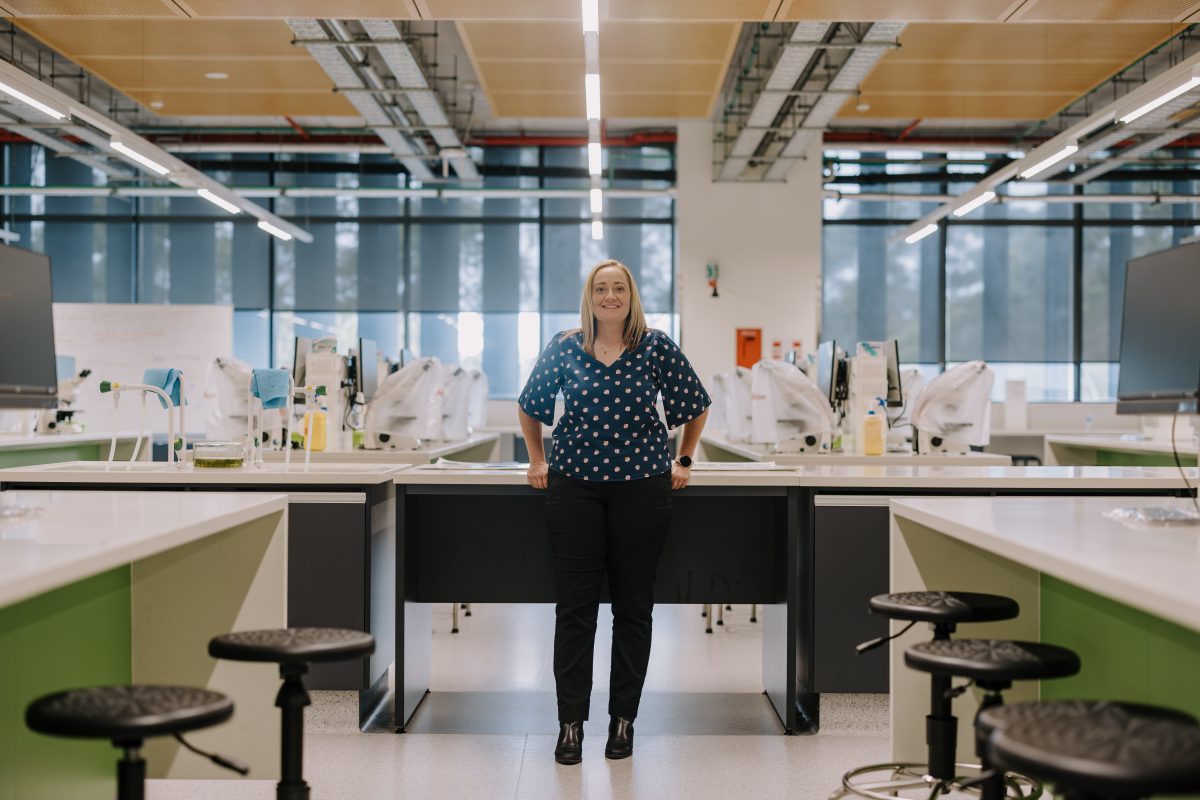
x=635, y=323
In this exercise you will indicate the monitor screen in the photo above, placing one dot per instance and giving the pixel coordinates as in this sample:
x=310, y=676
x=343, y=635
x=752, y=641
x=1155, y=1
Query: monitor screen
x=366, y=369
x=826, y=368
x=304, y=346
x=895, y=394
x=28, y=368
x=1160, y=333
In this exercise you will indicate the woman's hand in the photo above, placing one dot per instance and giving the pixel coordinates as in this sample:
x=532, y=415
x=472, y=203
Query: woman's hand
x=680, y=476
x=537, y=474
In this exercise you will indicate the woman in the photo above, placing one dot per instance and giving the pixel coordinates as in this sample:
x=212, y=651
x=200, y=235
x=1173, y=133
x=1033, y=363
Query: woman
x=609, y=479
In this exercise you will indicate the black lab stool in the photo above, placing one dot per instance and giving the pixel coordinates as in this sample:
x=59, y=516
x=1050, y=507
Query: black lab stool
x=293, y=649
x=1104, y=755
x=128, y=715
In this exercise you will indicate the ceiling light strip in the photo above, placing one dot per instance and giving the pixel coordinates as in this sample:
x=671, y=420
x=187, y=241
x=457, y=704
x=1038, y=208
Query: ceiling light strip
x=929, y=229
x=278, y=233
x=1049, y=161
x=134, y=155
x=971, y=205
x=218, y=201
x=590, y=14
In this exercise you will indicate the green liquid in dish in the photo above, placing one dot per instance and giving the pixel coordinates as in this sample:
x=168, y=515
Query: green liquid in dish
x=217, y=463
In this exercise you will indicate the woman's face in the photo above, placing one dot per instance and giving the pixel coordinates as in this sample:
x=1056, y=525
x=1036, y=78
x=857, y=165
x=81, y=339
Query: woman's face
x=610, y=295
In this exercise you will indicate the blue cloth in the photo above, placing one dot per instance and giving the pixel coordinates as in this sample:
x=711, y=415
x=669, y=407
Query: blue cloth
x=610, y=429
x=166, y=379
x=271, y=386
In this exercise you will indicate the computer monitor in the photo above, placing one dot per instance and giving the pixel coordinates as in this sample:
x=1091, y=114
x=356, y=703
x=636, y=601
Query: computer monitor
x=303, y=347
x=1160, y=334
x=827, y=368
x=366, y=368
x=28, y=368
x=895, y=392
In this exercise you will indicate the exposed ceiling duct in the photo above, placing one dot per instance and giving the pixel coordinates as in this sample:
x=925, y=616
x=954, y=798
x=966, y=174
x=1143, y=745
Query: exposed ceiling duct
x=347, y=75
x=424, y=99
x=764, y=136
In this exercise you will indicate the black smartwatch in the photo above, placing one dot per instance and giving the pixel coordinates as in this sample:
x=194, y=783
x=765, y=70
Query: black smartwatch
x=684, y=461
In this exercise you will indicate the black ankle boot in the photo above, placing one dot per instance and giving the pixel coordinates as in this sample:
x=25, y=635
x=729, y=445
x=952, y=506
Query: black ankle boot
x=569, y=749
x=620, y=738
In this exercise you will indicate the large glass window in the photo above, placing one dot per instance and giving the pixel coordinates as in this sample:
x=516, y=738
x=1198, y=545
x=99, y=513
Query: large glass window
x=473, y=280
x=1010, y=283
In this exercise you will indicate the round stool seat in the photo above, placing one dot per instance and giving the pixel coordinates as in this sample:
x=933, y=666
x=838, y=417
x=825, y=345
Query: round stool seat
x=1109, y=755
x=996, y=718
x=945, y=607
x=123, y=713
x=293, y=645
x=992, y=659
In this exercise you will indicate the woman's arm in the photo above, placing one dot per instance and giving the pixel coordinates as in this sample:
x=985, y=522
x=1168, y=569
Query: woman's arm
x=531, y=429
x=687, y=447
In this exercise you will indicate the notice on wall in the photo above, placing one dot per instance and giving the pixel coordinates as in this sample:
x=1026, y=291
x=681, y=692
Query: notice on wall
x=120, y=341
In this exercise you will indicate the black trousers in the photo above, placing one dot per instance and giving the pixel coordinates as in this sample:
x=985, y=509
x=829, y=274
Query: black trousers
x=598, y=528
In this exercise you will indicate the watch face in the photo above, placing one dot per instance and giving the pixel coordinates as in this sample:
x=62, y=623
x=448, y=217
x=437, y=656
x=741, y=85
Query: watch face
x=685, y=461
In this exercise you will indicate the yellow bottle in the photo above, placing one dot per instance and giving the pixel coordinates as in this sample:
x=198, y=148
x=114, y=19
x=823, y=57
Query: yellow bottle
x=873, y=435
x=316, y=422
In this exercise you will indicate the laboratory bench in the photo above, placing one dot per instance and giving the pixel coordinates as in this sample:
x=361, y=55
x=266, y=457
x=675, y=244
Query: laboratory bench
x=718, y=448
x=22, y=450
x=477, y=447
x=102, y=588
x=808, y=544
x=1125, y=597
x=1110, y=450
x=340, y=515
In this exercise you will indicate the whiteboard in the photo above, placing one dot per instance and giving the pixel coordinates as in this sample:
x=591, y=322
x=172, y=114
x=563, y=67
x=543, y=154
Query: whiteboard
x=120, y=341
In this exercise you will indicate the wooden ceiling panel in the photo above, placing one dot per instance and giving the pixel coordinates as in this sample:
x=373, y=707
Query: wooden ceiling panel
x=680, y=105
x=668, y=41
x=91, y=8
x=490, y=41
x=982, y=78
x=906, y=10
x=1106, y=10
x=248, y=104
x=81, y=39
x=137, y=75
x=282, y=9
x=513, y=77
x=500, y=9
x=567, y=104
x=679, y=10
x=1011, y=43
x=923, y=105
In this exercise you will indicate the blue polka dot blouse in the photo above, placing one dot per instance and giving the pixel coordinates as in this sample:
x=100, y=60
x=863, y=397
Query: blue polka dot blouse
x=610, y=429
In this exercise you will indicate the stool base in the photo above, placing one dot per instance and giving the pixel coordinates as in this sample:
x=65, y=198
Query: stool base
x=912, y=780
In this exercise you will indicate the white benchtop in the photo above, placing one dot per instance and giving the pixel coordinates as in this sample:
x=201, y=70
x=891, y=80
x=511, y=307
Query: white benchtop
x=426, y=456
x=915, y=478
x=41, y=441
x=163, y=474
x=1128, y=444
x=80, y=534
x=1153, y=569
x=753, y=452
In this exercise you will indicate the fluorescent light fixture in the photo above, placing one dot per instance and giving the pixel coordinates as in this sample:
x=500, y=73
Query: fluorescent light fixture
x=591, y=16
x=597, y=229
x=1045, y=164
x=591, y=86
x=967, y=208
x=278, y=233
x=12, y=91
x=913, y=238
x=220, y=202
x=1165, y=97
x=594, y=167
x=145, y=161
x=597, y=200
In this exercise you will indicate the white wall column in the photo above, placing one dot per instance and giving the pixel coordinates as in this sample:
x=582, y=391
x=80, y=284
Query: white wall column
x=766, y=237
